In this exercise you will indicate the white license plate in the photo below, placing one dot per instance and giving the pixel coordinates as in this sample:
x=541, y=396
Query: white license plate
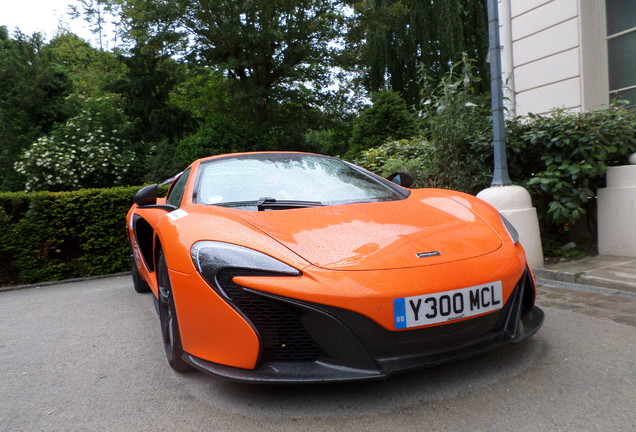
x=447, y=306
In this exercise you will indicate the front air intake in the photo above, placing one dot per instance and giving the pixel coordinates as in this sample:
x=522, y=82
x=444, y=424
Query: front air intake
x=282, y=334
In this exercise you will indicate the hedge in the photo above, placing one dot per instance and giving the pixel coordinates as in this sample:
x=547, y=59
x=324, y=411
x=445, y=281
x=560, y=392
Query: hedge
x=563, y=158
x=47, y=236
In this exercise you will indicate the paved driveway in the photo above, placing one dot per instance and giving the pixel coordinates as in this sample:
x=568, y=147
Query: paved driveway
x=88, y=356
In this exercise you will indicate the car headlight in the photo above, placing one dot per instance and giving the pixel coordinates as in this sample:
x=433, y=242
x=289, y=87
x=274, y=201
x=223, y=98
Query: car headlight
x=512, y=231
x=210, y=257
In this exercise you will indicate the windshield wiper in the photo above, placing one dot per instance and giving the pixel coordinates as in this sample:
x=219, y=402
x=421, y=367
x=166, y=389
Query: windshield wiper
x=268, y=203
x=264, y=200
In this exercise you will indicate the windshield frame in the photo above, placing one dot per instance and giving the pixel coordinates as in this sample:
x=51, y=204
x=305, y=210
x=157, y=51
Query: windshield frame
x=401, y=192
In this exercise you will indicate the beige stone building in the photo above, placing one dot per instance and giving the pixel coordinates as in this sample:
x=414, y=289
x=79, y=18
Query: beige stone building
x=572, y=54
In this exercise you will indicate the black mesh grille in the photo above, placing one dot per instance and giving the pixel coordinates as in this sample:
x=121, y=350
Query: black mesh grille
x=282, y=334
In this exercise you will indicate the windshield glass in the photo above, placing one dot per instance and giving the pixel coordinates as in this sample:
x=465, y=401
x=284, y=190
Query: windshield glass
x=243, y=180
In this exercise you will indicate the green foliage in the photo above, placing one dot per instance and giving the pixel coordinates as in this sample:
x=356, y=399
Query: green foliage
x=390, y=38
x=174, y=110
x=330, y=131
x=157, y=120
x=560, y=246
x=388, y=118
x=91, y=70
x=99, y=14
x=563, y=158
x=89, y=150
x=225, y=127
x=457, y=124
x=52, y=236
x=268, y=50
x=146, y=88
x=33, y=97
x=218, y=135
x=325, y=141
x=162, y=162
x=455, y=147
x=413, y=156
x=202, y=93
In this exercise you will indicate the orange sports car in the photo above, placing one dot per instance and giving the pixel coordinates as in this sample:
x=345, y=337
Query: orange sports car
x=294, y=267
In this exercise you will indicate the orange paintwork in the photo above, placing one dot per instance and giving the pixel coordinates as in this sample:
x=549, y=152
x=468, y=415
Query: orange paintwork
x=379, y=236
x=358, y=257
x=201, y=311
x=371, y=293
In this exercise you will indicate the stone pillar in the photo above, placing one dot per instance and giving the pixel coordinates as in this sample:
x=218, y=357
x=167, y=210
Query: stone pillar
x=515, y=204
x=617, y=212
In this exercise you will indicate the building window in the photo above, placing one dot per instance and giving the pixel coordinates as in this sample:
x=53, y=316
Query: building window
x=621, y=49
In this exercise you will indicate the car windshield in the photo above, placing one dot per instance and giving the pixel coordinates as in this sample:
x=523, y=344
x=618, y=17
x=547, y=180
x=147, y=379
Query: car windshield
x=284, y=179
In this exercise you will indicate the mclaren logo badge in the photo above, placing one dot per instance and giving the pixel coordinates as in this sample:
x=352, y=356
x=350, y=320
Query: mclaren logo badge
x=428, y=254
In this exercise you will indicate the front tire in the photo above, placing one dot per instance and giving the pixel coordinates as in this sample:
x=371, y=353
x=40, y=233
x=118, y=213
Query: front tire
x=168, y=318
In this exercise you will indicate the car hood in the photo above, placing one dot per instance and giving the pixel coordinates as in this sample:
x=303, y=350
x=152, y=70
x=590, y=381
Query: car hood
x=416, y=231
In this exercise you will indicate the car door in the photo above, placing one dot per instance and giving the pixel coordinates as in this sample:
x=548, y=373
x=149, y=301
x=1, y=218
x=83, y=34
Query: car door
x=145, y=220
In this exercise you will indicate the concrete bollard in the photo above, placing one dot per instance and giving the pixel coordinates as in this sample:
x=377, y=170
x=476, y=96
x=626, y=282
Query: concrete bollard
x=515, y=204
x=617, y=212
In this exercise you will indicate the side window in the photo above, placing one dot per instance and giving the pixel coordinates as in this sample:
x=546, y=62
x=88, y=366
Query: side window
x=621, y=49
x=176, y=193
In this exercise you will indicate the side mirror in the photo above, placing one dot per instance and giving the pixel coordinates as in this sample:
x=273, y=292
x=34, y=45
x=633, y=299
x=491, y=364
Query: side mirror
x=146, y=196
x=402, y=179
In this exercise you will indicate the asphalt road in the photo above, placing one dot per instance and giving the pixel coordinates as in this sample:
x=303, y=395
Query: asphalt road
x=87, y=356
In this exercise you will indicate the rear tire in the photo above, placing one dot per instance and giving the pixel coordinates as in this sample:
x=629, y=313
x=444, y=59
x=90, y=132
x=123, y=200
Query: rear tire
x=168, y=319
x=140, y=285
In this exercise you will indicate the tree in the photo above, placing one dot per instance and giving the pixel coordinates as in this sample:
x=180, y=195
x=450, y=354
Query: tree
x=392, y=38
x=89, y=150
x=92, y=71
x=33, y=97
x=146, y=87
x=269, y=50
x=100, y=14
x=388, y=118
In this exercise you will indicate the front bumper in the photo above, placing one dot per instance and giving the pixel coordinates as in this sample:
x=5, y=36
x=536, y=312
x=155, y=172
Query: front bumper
x=328, y=344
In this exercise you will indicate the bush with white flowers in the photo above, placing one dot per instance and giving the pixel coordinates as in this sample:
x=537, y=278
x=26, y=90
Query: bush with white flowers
x=89, y=150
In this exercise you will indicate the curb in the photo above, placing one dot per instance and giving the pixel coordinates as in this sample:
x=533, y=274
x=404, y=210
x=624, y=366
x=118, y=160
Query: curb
x=59, y=282
x=604, y=277
x=585, y=287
